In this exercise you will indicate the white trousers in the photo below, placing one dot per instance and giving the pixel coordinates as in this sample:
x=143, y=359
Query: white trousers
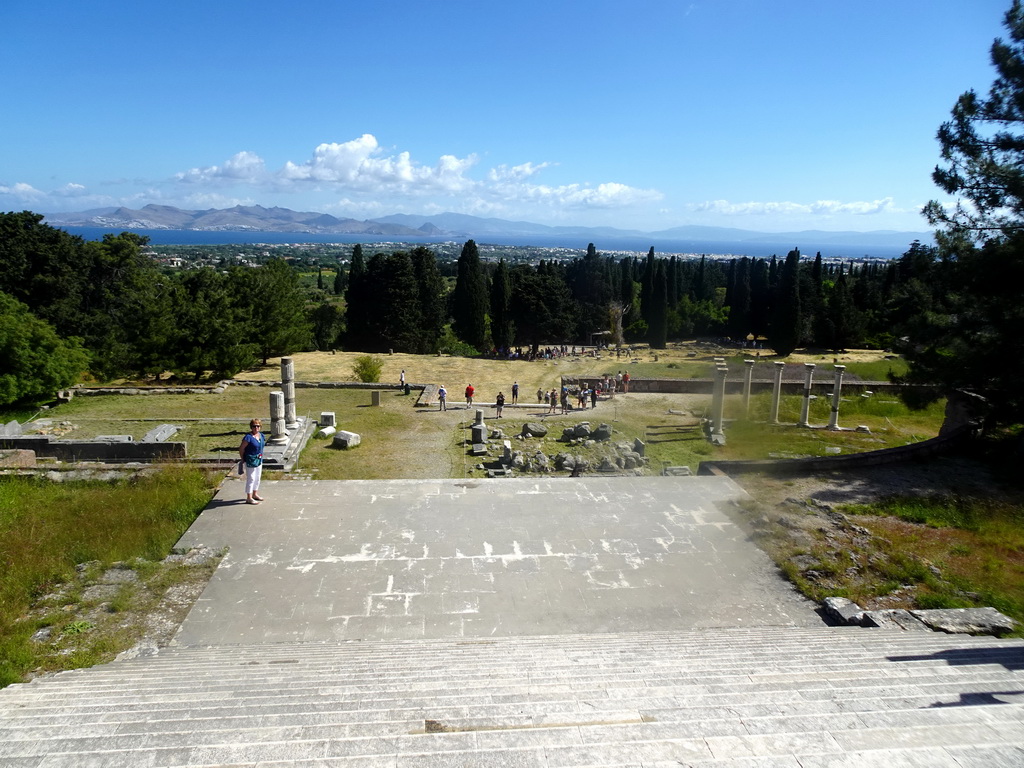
x=252, y=478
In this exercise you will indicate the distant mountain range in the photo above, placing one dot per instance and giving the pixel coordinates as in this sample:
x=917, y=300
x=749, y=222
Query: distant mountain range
x=256, y=218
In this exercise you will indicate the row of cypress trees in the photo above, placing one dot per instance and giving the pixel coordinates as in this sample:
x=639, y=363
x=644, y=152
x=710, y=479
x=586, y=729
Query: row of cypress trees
x=399, y=301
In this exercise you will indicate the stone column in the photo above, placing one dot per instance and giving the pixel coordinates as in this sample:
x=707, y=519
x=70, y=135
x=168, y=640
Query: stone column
x=278, y=434
x=833, y=419
x=748, y=374
x=719, y=400
x=780, y=367
x=805, y=412
x=288, y=387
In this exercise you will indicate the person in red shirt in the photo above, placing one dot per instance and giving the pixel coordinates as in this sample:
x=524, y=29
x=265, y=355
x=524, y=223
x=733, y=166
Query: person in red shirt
x=469, y=394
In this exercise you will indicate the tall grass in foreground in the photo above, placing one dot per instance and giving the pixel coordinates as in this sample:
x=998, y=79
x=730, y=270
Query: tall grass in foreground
x=977, y=544
x=47, y=528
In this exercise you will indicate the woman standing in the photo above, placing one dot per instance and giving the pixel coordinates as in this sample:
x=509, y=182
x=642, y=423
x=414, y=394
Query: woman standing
x=251, y=453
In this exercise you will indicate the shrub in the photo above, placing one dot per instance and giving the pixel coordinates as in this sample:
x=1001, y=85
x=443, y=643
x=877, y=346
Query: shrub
x=450, y=344
x=367, y=368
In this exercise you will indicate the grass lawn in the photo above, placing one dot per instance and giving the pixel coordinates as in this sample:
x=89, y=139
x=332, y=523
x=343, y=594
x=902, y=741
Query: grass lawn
x=46, y=529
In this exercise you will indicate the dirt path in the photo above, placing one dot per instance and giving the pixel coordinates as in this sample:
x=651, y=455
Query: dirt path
x=945, y=475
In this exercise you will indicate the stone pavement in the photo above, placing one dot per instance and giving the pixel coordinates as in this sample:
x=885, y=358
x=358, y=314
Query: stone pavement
x=406, y=559
x=506, y=623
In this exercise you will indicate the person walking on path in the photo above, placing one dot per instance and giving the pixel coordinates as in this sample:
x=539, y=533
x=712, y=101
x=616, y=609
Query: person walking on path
x=469, y=394
x=442, y=397
x=401, y=378
x=554, y=401
x=515, y=392
x=593, y=396
x=251, y=454
x=499, y=403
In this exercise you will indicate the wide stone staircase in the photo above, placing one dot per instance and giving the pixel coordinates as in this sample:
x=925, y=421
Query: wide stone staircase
x=740, y=697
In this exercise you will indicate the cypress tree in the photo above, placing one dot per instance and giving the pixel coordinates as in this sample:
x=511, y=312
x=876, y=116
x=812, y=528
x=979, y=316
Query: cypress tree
x=469, y=299
x=784, y=335
x=658, y=328
x=339, y=281
x=396, y=319
x=358, y=303
x=647, y=287
x=501, y=310
x=430, y=287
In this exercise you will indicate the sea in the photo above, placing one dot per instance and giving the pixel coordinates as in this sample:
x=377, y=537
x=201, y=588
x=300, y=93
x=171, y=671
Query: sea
x=606, y=245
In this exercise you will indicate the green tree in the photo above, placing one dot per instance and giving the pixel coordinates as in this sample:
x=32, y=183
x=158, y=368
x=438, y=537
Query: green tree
x=211, y=331
x=326, y=320
x=842, y=318
x=983, y=148
x=784, y=335
x=976, y=324
x=542, y=306
x=658, y=329
x=358, y=303
x=396, y=319
x=433, y=306
x=589, y=281
x=277, y=322
x=44, y=268
x=469, y=299
x=124, y=314
x=338, y=287
x=502, y=328
x=37, y=362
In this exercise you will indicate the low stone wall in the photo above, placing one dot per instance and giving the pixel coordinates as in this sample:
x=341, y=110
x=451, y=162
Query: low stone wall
x=93, y=450
x=213, y=389
x=221, y=387
x=926, y=448
x=734, y=386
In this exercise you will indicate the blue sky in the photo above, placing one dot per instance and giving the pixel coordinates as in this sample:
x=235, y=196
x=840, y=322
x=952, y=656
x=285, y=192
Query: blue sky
x=774, y=116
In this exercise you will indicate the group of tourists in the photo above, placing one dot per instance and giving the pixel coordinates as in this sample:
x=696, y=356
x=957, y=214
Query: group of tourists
x=547, y=353
x=588, y=392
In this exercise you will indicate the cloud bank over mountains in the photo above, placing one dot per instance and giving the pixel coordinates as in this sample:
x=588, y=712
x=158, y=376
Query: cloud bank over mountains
x=362, y=179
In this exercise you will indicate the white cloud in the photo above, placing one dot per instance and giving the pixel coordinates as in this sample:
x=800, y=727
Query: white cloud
x=71, y=190
x=373, y=181
x=577, y=196
x=818, y=208
x=21, y=191
x=361, y=165
x=242, y=167
x=515, y=172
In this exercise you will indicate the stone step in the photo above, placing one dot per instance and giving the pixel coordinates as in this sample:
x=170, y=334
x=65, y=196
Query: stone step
x=562, y=700
x=580, y=745
x=549, y=685
x=346, y=658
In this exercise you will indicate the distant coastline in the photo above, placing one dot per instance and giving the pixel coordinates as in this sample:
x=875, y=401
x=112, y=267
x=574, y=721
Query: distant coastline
x=638, y=244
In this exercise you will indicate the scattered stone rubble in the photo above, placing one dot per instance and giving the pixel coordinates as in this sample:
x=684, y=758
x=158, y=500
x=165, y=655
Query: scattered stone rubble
x=971, y=621
x=595, y=451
